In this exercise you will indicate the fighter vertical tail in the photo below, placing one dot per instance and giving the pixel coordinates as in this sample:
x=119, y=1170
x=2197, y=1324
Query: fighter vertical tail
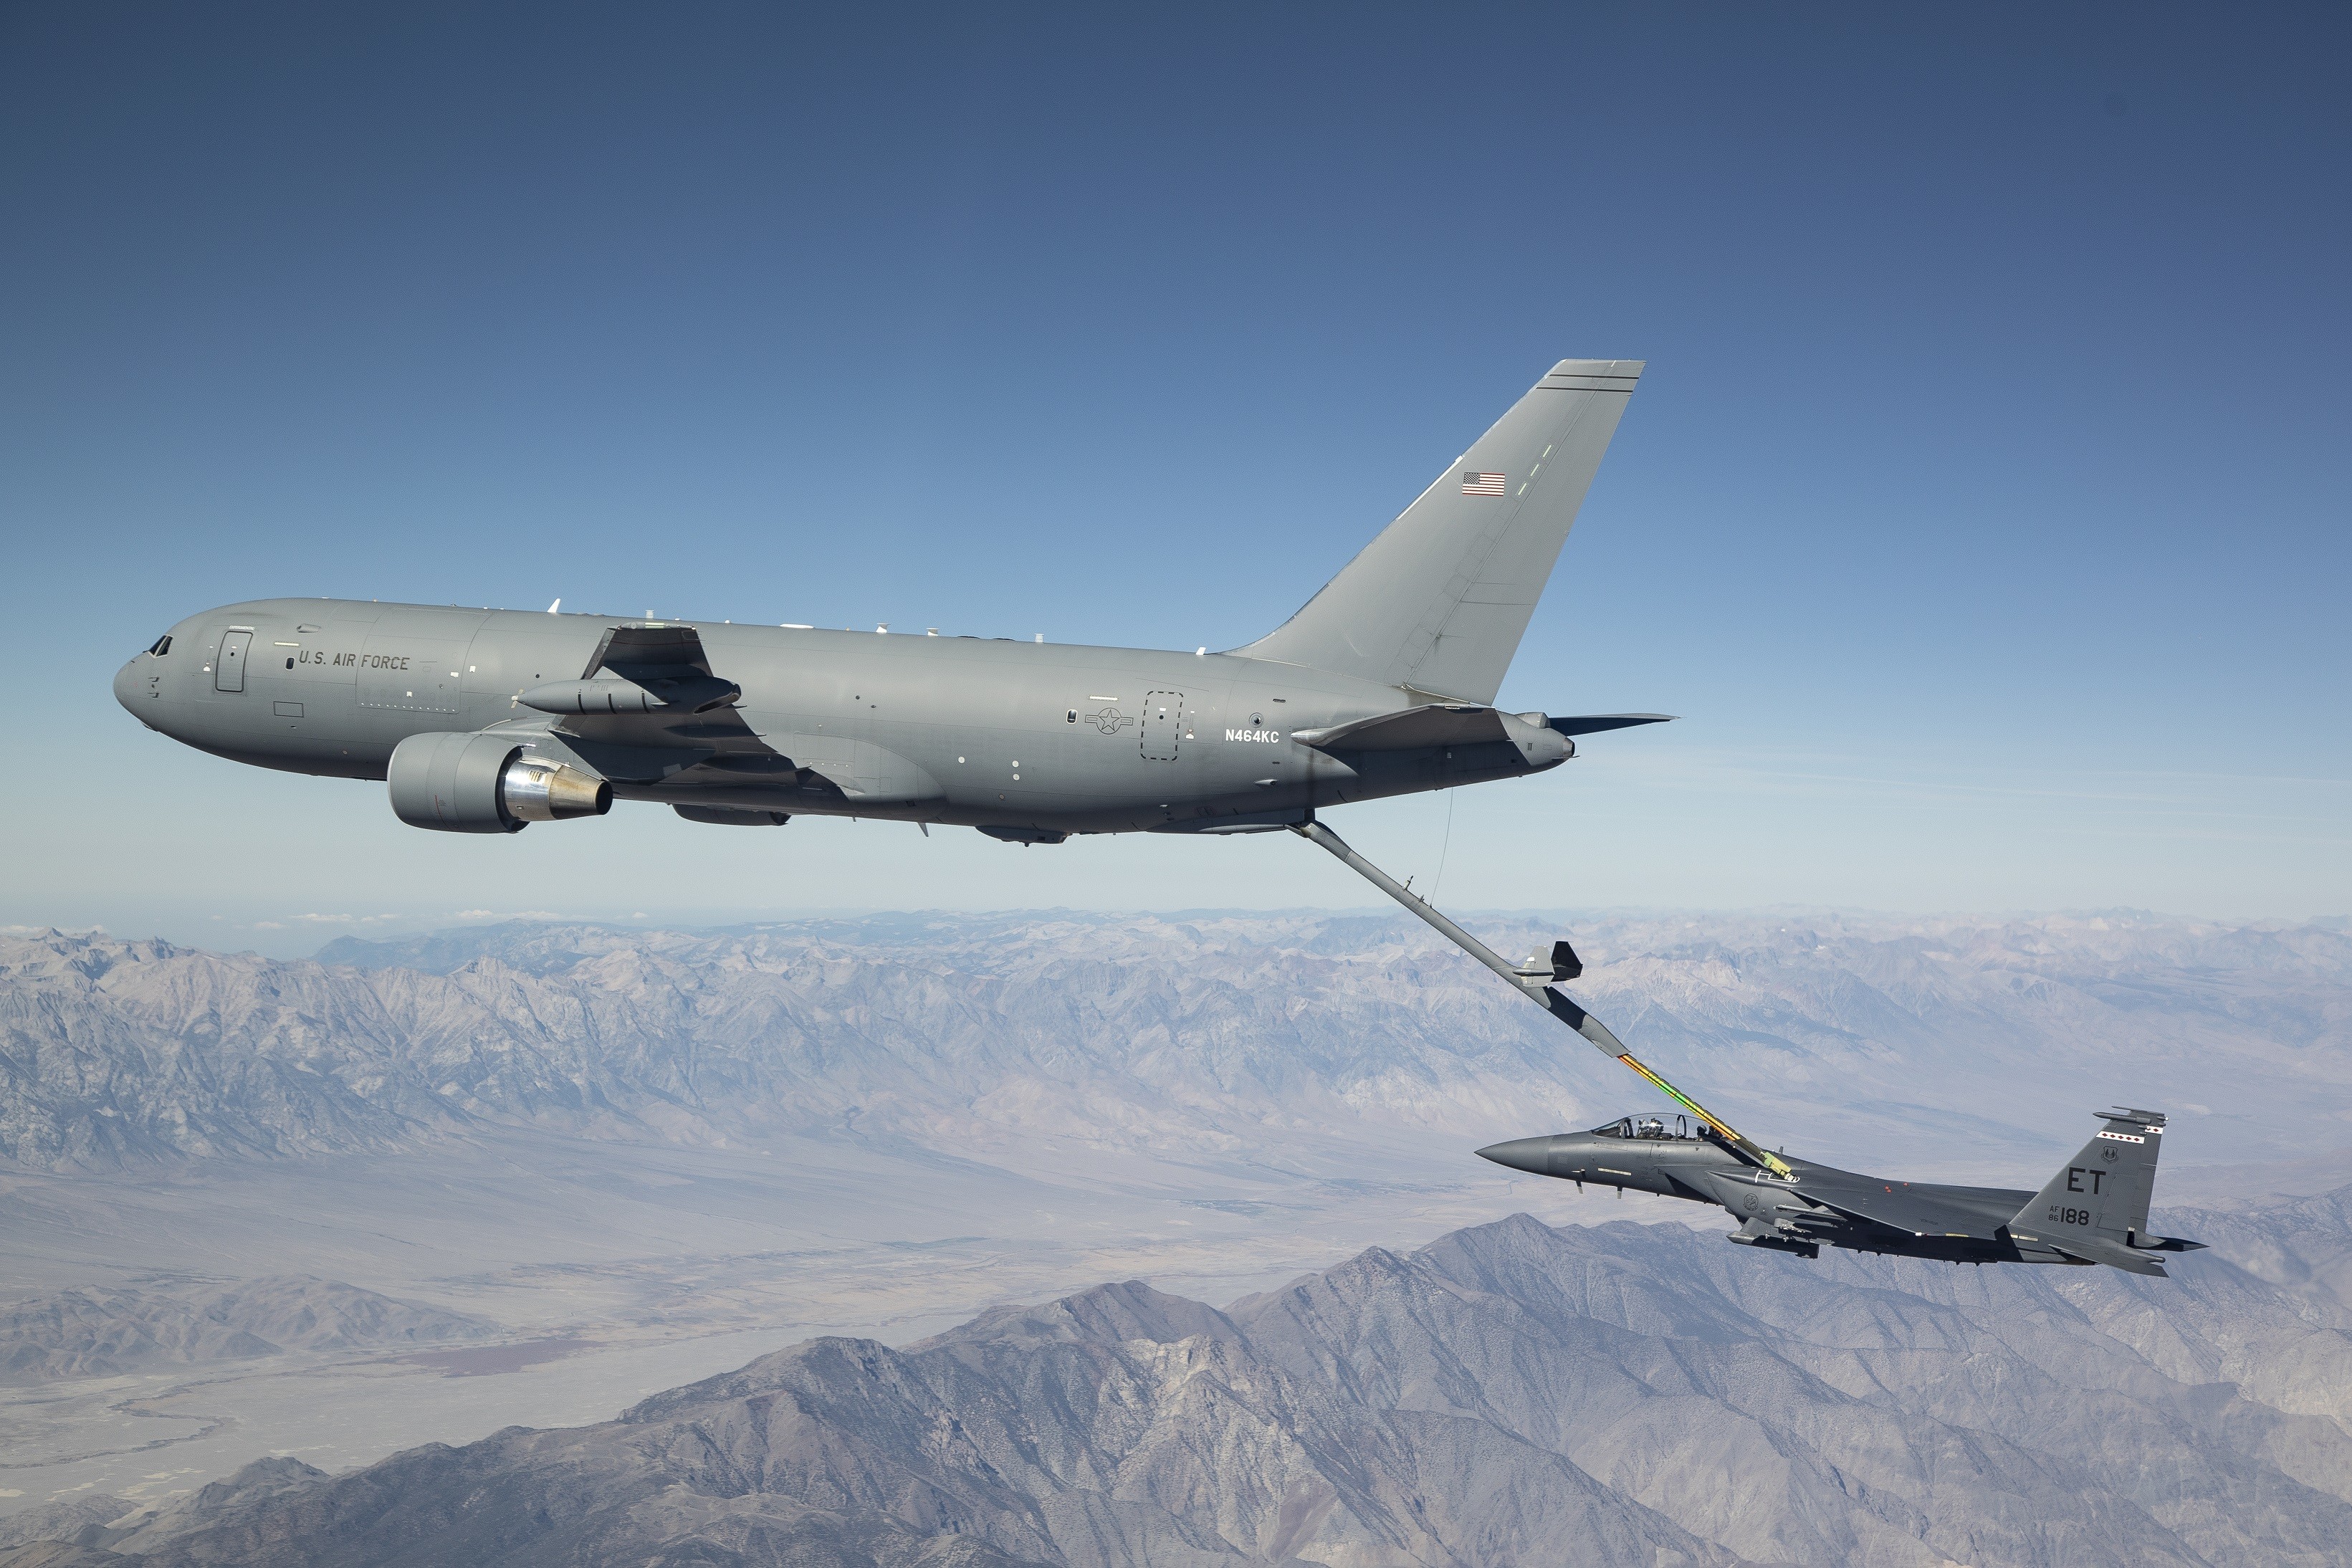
x=2095, y=1207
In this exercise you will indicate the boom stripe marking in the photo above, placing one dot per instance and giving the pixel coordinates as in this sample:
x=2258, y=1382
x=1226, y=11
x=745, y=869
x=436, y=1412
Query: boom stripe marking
x=1770, y=1161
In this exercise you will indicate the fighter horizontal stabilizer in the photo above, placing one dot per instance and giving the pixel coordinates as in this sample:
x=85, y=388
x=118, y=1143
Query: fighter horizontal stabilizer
x=2096, y=1249
x=2168, y=1243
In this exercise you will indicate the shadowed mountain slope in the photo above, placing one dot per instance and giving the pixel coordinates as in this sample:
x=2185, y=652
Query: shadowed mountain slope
x=1509, y=1393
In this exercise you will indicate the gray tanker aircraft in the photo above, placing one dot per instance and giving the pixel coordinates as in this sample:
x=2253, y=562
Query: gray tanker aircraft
x=486, y=721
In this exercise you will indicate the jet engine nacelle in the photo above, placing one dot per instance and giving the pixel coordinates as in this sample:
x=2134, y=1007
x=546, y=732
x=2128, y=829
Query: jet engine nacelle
x=484, y=783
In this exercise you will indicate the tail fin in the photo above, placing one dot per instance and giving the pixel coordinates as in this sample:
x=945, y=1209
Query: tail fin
x=2097, y=1208
x=1439, y=601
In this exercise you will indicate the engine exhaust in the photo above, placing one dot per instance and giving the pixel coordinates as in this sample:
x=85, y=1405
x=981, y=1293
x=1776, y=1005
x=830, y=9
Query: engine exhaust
x=543, y=792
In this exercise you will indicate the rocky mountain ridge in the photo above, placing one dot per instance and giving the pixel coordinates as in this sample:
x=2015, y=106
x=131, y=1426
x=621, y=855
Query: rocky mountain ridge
x=1511, y=1393
x=105, y=1332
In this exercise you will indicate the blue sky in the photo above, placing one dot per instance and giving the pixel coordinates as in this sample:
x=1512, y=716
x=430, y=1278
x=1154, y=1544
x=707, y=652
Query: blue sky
x=1983, y=510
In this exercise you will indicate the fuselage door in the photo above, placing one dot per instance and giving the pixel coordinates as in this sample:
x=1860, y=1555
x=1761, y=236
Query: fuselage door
x=1163, y=725
x=228, y=670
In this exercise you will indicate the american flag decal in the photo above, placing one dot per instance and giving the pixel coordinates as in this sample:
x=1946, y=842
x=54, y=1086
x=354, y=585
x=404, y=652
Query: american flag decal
x=1482, y=484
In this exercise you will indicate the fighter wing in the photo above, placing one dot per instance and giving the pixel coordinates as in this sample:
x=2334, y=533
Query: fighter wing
x=1900, y=1206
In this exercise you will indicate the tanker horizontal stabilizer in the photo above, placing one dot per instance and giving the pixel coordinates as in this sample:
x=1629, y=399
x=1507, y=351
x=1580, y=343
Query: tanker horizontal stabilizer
x=1596, y=723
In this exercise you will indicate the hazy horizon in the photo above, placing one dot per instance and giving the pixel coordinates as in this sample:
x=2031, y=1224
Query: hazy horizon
x=308, y=934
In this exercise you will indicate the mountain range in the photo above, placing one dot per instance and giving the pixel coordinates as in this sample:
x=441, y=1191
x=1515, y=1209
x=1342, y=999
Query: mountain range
x=1512, y=1392
x=1182, y=1038
x=103, y=1332
x=603, y=1142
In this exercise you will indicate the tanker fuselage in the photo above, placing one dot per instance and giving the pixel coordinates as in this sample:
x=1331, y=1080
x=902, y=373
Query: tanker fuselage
x=988, y=732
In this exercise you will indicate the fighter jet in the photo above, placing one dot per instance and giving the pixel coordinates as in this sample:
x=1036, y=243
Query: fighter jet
x=2095, y=1210
x=488, y=721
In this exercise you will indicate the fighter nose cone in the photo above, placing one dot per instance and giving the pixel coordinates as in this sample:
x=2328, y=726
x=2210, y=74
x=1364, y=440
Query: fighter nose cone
x=1520, y=1155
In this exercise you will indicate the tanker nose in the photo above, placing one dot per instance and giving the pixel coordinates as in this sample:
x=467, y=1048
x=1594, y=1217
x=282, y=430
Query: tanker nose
x=133, y=691
x=1526, y=1154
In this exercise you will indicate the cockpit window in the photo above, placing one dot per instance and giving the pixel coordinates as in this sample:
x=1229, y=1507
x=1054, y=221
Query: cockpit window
x=1643, y=1127
x=163, y=645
